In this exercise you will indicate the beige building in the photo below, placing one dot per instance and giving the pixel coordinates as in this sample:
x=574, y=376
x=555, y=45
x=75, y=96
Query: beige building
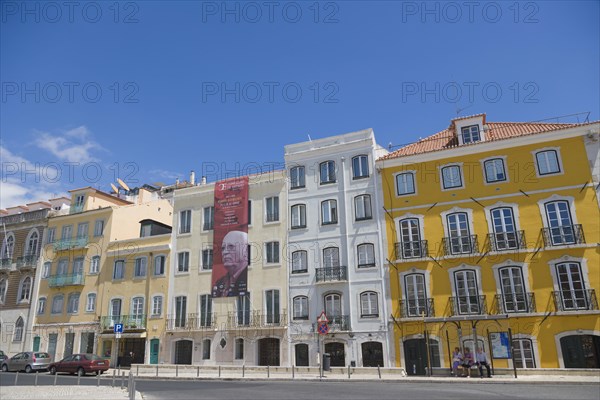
x=249, y=329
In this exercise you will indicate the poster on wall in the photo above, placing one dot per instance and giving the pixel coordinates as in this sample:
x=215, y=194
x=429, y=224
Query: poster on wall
x=500, y=345
x=230, y=240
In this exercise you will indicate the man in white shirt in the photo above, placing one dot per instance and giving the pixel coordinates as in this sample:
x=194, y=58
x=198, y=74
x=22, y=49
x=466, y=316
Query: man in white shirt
x=482, y=360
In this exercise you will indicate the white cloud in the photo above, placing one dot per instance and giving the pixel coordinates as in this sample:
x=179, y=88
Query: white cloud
x=164, y=174
x=74, y=145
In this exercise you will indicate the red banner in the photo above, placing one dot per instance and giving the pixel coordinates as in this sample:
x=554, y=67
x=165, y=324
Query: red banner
x=230, y=241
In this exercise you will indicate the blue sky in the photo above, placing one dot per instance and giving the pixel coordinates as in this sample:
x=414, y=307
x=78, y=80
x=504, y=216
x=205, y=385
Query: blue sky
x=149, y=90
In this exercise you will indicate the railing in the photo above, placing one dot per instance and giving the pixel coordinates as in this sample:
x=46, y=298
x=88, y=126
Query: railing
x=414, y=308
x=563, y=235
x=130, y=322
x=515, y=303
x=454, y=245
x=339, y=323
x=74, y=209
x=255, y=319
x=27, y=262
x=503, y=241
x=24, y=217
x=67, y=244
x=572, y=300
x=5, y=263
x=414, y=249
x=468, y=305
x=329, y=274
x=190, y=322
x=66, y=280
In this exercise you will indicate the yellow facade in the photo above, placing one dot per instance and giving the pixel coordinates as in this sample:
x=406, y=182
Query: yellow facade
x=474, y=252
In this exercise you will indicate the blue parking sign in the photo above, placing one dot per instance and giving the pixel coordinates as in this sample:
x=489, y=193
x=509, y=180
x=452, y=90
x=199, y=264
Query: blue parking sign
x=118, y=328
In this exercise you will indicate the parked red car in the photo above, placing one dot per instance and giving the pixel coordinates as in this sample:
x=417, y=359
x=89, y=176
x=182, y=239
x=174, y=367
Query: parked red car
x=80, y=364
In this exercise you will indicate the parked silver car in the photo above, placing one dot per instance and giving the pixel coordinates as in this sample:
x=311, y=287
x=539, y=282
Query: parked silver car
x=27, y=361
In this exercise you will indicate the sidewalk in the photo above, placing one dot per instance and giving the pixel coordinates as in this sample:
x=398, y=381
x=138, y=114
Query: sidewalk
x=64, y=392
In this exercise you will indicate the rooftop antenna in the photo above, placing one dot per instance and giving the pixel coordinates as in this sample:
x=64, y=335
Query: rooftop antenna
x=114, y=188
x=123, y=184
x=309, y=139
x=459, y=110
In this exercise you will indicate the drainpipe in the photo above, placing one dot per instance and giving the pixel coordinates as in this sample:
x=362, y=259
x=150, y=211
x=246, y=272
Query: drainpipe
x=346, y=240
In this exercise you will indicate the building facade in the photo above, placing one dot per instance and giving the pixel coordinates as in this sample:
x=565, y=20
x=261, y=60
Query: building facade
x=336, y=262
x=492, y=234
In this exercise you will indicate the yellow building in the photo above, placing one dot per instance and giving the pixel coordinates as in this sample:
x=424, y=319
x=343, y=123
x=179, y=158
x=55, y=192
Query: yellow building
x=76, y=271
x=493, y=228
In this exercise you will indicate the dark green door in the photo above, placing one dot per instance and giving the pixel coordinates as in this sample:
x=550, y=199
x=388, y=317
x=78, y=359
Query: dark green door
x=36, y=343
x=415, y=357
x=581, y=351
x=154, y=346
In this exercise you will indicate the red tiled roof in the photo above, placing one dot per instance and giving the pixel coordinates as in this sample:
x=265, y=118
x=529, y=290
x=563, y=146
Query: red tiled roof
x=495, y=131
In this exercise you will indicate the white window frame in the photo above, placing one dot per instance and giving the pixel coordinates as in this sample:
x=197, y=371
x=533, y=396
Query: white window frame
x=331, y=212
x=83, y=230
x=370, y=300
x=185, y=222
x=59, y=298
x=362, y=204
x=470, y=133
x=73, y=303
x=8, y=246
x=444, y=167
x=556, y=151
x=300, y=313
x=41, y=306
x=116, y=276
x=484, y=169
x=24, y=295
x=298, y=173
x=90, y=303
x=463, y=267
x=361, y=174
x=328, y=165
x=46, y=268
x=3, y=289
x=299, y=209
x=95, y=265
x=157, y=305
x=164, y=264
x=50, y=235
x=271, y=209
x=99, y=228
x=301, y=255
x=406, y=190
x=140, y=267
x=359, y=256
x=31, y=244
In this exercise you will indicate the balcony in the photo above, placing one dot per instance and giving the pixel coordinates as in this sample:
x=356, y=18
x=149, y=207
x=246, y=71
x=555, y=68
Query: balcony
x=24, y=217
x=255, y=319
x=515, y=303
x=5, y=263
x=456, y=245
x=414, y=249
x=563, y=235
x=66, y=280
x=505, y=241
x=68, y=244
x=415, y=308
x=27, y=262
x=332, y=274
x=191, y=322
x=575, y=300
x=339, y=323
x=468, y=305
x=130, y=322
x=75, y=209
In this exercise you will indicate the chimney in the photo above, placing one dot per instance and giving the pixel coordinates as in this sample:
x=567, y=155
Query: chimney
x=192, y=177
x=204, y=180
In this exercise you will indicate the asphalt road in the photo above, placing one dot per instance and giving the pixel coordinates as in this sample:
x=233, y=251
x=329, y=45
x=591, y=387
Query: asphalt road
x=308, y=390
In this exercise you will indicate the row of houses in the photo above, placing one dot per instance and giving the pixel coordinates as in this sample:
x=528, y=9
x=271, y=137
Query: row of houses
x=484, y=234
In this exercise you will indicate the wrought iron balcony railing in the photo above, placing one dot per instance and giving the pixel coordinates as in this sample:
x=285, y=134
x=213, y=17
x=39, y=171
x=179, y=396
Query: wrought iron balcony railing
x=329, y=274
x=66, y=280
x=255, y=319
x=455, y=245
x=68, y=244
x=563, y=235
x=190, y=322
x=130, y=322
x=74, y=209
x=414, y=249
x=5, y=263
x=339, y=323
x=414, y=308
x=504, y=241
x=27, y=262
x=468, y=305
x=515, y=303
x=574, y=300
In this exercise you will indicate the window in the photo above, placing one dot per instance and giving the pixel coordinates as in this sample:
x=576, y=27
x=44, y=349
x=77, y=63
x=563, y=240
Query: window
x=572, y=294
x=207, y=259
x=206, y=310
x=470, y=134
x=73, y=303
x=514, y=297
x=46, y=269
x=25, y=289
x=185, y=221
x=183, y=261
x=416, y=296
x=139, y=270
x=137, y=310
x=299, y=262
x=505, y=233
x=99, y=227
x=157, y=304
x=410, y=239
x=115, y=311
x=79, y=201
x=333, y=306
x=366, y=255
x=83, y=230
x=329, y=212
x=405, y=183
x=239, y=349
x=50, y=235
x=368, y=305
x=208, y=218
x=180, y=311
x=90, y=305
x=494, y=170
x=78, y=266
x=41, y=309
x=119, y=269
x=272, y=300
x=451, y=177
x=362, y=207
x=3, y=284
x=272, y=205
x=272, y=249
x=300, y=308
x=459, y=238
x=32, y=243
x=57, y=304
x=523, y=349
x=467, y=294
x=19, y=325
x=249, y=212
x=331, y=257
x=547, y=162
x=159, y=265
x=146, y=230
x=297, y=177
x=360, y=167
x=206, y=349
x=62, y=267
x=327, y=171
x=87, y=342
x=95, y=265
x=298, y=216
x=243, y=310
x=8, y=246
x=560, y=225
x=67, y=232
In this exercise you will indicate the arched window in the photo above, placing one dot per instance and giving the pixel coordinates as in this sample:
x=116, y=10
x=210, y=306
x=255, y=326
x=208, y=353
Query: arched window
x=8, y=246
x=368, y=305
x=25, y=289
x=18, y=330
x=32, y=243
x=300, y=307
x=3, y=284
